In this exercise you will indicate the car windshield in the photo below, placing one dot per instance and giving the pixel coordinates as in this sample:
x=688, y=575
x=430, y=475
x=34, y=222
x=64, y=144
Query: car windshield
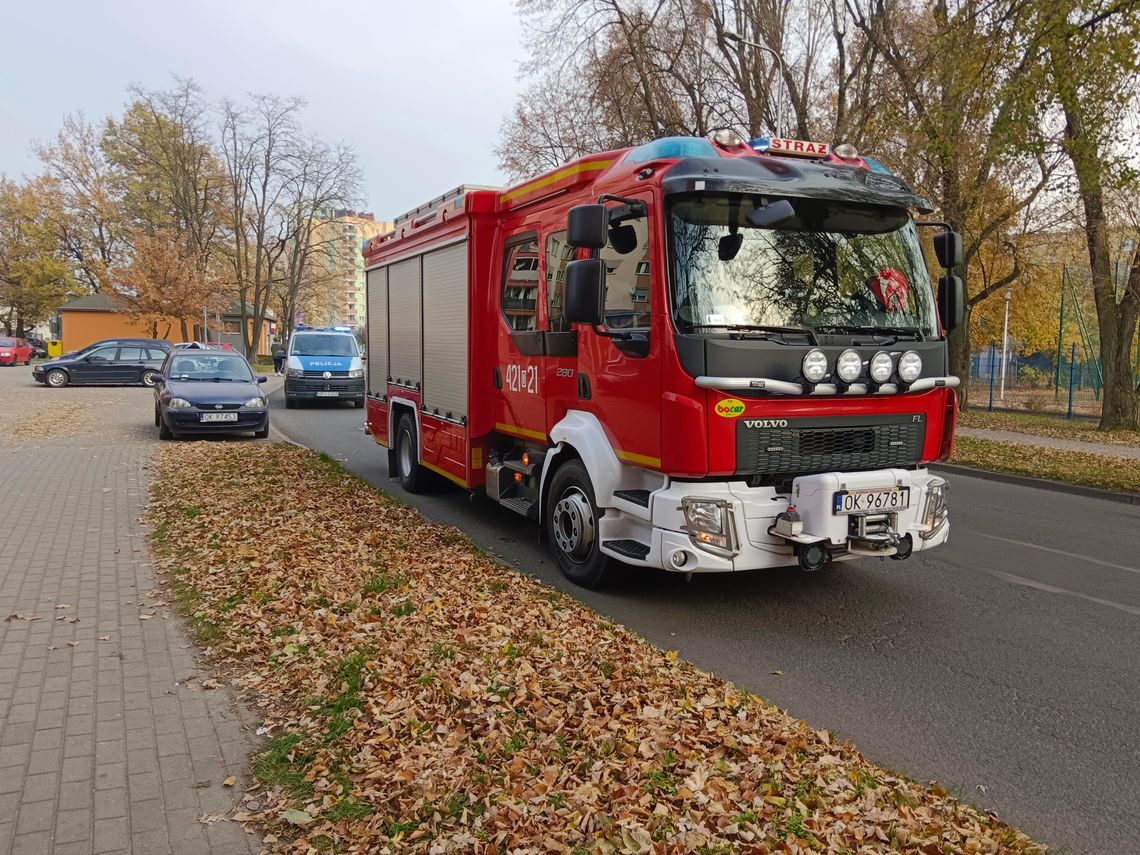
x=833, y=267
x=324, y=344
x=201, y=366
x=7, y=342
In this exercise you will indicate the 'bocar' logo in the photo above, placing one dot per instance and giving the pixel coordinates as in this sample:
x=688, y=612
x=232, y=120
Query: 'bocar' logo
x=729, y=408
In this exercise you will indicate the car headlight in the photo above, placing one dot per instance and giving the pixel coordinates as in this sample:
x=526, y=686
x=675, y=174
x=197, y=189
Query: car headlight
x=356, y=373
x=257, y=403
x=937, y=508
x=710, y=523
x=881, y=367
x=910, y=366
x=294, y=372
x=815, y=365
x=179, y=404
x=849, y=366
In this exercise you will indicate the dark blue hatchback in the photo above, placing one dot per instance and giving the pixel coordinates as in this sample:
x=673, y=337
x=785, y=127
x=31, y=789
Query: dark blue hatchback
x=209, y=392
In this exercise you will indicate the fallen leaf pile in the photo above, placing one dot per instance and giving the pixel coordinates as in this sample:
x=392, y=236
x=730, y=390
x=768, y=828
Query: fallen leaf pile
x=1072, y=467
x=419, y=697
x=52, y=419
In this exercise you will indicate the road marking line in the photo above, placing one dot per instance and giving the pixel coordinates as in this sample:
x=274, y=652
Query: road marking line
x=1053, y=589
x=1062, y=552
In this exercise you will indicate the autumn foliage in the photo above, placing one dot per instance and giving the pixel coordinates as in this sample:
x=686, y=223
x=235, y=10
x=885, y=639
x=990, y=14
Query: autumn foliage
x=420, y=697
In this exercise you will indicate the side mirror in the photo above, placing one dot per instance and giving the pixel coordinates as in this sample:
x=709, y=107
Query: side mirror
x=588, y=226
x=159, y=380
x=261, y=378
x=772, y=215
x=951, y=301
x=585, y=291
x=948, y=248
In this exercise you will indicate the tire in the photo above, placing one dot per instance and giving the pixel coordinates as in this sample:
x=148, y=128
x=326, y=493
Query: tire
x=290, y=403
x=358, y=403
x=163, y=431
x=572, y=526
x=157, y=418
x=56, y=378
x=148, y=377
x=411, y=474
x=263, y=433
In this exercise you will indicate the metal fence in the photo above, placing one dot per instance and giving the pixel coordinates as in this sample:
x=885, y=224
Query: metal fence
x=1038, y=383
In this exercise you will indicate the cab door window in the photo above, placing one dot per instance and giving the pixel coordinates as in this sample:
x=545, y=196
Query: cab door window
x=519, y=296
x=558, y=255
x=626, y=256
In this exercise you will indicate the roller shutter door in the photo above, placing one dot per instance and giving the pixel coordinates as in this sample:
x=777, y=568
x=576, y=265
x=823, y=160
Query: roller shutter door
x=377, y=351
x=445, y=332
x=405, y=339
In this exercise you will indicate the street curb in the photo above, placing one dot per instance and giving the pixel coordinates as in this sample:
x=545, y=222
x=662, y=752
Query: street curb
x=1039, y=483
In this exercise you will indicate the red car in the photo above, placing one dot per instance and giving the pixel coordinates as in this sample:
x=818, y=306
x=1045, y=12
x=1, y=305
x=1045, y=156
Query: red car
x=13, y=351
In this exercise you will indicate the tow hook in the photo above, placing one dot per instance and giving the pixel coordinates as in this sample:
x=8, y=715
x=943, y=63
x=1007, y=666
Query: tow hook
x=904, y=546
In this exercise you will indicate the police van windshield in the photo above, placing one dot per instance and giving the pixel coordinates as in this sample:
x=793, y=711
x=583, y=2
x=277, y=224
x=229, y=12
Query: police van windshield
x=834, y=267
x=323, y=344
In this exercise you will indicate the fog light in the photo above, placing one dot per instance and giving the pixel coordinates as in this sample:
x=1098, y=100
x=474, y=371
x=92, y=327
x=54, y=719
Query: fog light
x=910, y=366
x=849, y=366
x=680, y=558
x=881, y=367
x=815, y=365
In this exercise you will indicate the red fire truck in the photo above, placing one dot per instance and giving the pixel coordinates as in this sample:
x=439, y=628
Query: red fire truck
x=695, y=355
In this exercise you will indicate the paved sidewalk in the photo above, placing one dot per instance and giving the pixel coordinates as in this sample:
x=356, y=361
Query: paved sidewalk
x=1130, y=452
x=108, y=740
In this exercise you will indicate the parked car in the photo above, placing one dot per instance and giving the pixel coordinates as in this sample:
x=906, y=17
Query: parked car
x=203, y=345
x=208, y=392
x=107, y=365
x=39, y=347
x=160, y=343
x=13, y=351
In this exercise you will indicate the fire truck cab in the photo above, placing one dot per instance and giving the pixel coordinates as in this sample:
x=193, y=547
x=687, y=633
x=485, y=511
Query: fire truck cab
x=696, y=355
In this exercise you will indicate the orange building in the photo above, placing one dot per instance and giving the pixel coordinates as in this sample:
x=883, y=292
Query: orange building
x=98, y=316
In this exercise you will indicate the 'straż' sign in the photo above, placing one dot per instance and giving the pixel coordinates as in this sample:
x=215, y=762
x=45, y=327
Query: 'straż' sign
x=802, y=148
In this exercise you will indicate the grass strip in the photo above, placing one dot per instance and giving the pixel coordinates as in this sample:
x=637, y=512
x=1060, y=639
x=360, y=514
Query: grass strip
x=1048, y=426
x=1071, y=467
x=420, y=697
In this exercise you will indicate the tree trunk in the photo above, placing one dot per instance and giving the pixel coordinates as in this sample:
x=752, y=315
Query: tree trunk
x=185, y=330
x=959, y=357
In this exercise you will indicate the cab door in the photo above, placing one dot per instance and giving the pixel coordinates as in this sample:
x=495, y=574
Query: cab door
x=520, y=409
x=621, y=360
x=561, y=336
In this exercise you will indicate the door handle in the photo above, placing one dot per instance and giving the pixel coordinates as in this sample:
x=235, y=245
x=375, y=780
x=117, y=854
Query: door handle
x=583, y=387
x=496, y=378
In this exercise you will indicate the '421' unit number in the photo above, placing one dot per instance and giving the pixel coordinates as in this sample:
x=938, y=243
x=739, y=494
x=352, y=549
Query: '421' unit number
x=523, y=378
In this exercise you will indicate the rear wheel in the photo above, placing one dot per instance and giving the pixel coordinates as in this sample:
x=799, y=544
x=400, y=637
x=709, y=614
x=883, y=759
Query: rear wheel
x=572, y=526
x=408, y=469
x=57, y=379
x=148, y=378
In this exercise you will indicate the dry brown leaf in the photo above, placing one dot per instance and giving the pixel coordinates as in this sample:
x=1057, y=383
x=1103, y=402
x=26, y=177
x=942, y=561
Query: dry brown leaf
x=229, y=782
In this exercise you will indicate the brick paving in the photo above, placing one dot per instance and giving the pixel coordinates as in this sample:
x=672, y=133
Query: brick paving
x=105, y=746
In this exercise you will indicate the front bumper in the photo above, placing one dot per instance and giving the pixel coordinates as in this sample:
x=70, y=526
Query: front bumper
x=187, y=421
x=754, y=510
x=309, y=387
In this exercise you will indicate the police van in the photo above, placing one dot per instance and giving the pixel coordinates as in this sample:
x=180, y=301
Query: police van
x=323, y=363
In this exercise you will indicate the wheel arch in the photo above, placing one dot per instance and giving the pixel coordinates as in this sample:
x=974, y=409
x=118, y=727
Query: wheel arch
x=580, y=436
x=397, y=407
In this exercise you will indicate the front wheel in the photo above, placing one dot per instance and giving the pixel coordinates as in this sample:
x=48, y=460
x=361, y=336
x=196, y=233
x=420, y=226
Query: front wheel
x=407, y=460
x=149, y=378
x=290, y=403
x=262, y=433
x=572, y=526
x=57, y=379
x=163, y=431
x=358, y=403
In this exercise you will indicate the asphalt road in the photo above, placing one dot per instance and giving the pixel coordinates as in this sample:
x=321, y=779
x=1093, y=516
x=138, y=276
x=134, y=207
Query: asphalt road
x=1006, y=666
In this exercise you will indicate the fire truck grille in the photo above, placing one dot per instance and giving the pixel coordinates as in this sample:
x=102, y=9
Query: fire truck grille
x=805, y=446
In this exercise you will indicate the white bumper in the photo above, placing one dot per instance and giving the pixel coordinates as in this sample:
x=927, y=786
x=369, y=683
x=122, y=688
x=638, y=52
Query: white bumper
x=754, y=511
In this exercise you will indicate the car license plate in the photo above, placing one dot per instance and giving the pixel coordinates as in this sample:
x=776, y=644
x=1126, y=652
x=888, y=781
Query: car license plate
x=218, y=417
x=872, y=501
x=328, y=394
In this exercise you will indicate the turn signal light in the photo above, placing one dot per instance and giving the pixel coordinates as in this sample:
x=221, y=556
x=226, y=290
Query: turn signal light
x=526, y=458
x=518, y=477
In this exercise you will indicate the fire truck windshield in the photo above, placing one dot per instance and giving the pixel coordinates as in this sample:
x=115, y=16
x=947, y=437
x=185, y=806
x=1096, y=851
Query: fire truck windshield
x=834, y=267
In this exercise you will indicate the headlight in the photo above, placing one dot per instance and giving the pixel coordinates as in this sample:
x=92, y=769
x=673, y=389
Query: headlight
x=710, y=524
x=294, y=372
x=910, y=366
x=815, y=365
x=937, y=508
x=356, y=373
x=849, y=366
x=179, y=404
x=257, y=403
x=881, y=367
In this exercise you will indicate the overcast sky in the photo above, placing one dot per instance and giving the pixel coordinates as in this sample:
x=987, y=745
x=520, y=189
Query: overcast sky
x=418, y=87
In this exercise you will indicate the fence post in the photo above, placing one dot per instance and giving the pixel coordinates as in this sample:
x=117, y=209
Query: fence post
x=993, y=353
x=1072, y=371
x=1060, y=341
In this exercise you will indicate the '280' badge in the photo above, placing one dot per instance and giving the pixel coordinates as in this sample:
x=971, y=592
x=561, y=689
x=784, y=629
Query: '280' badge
x=729, y=408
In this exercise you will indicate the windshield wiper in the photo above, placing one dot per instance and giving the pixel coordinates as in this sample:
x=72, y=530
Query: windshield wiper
x=912, y=333
x=762, y=330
